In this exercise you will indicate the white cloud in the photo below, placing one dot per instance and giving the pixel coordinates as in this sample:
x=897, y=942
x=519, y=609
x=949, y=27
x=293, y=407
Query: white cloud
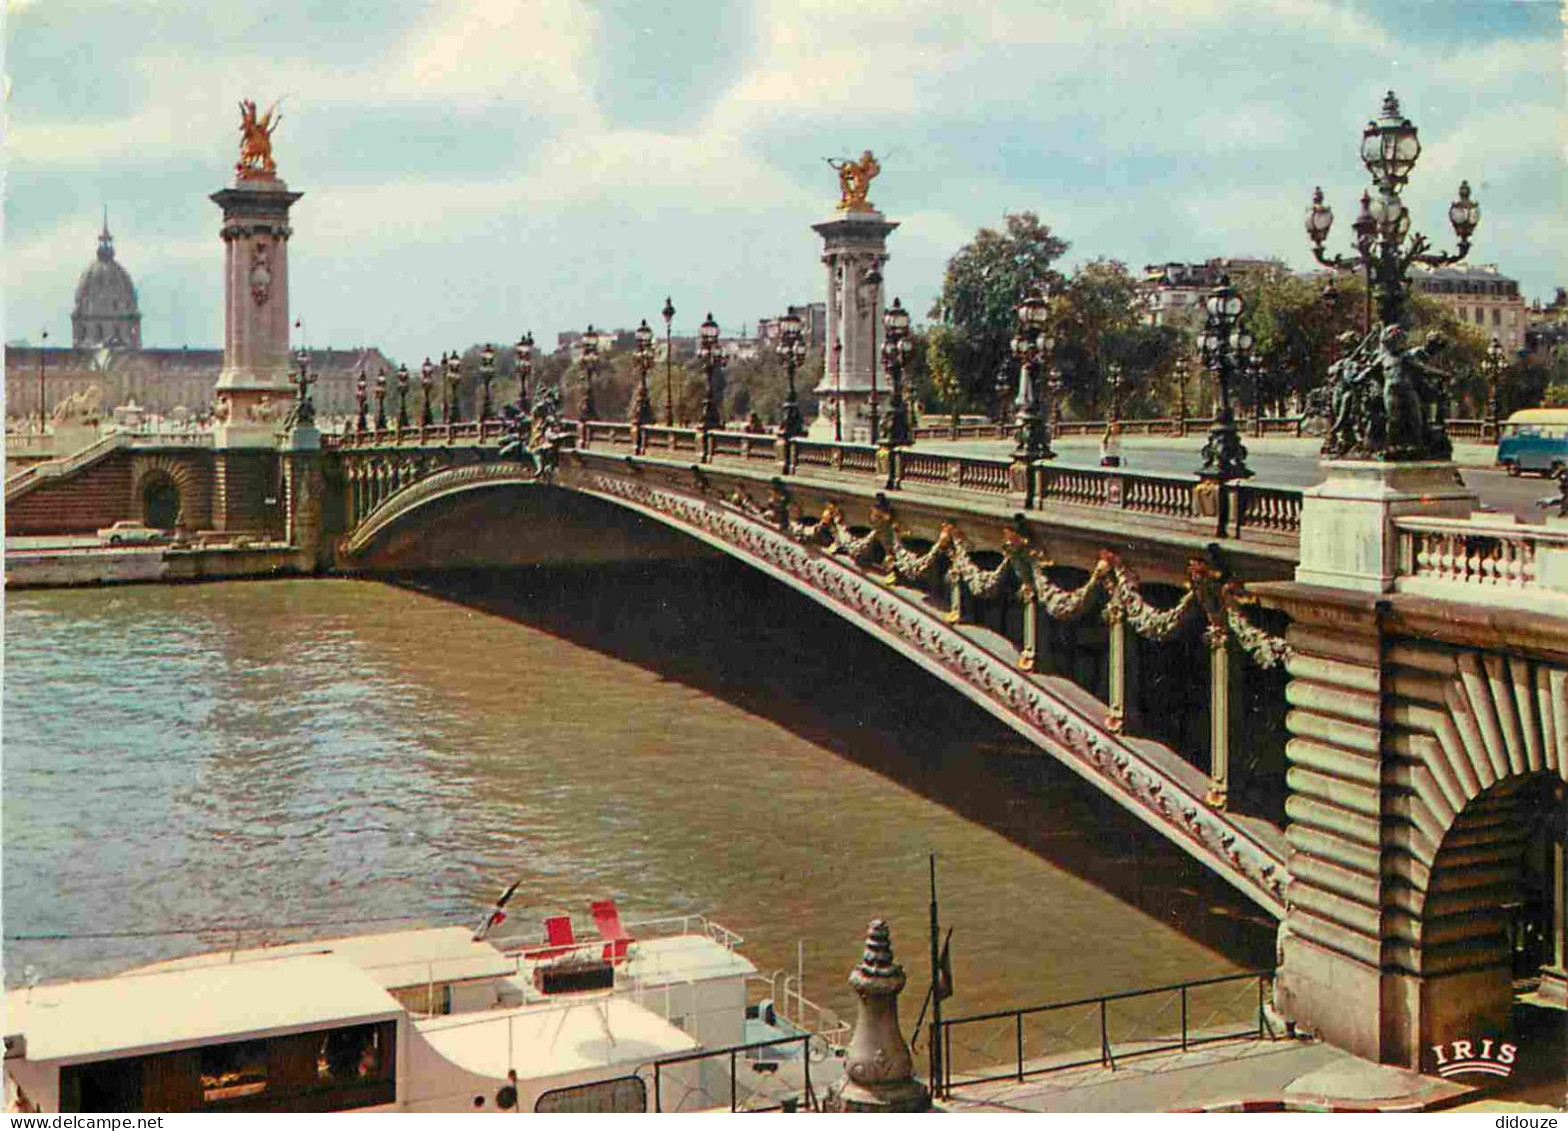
x=476, y=50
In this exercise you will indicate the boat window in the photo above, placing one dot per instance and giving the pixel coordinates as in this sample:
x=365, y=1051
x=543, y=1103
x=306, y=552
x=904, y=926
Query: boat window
x=624, y=1094
x=233, y=1071
x=108, y=1085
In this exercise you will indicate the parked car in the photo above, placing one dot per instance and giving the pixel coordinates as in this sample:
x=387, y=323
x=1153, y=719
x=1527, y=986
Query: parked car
x=128, y=531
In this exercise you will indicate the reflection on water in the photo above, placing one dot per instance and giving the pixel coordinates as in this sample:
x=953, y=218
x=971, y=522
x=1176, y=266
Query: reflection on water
x=690, y=739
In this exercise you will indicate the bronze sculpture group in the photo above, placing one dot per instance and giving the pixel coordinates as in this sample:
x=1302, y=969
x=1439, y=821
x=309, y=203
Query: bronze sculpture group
x=1387, y=401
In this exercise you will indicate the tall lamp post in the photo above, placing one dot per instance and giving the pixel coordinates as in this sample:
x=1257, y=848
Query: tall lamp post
x=895, y=350
x=1182, y=367
x=588, y=358
x=486, y=375
x=838, y=390
x=1224, y=340
x=427, y=376
x=710, y=355
x=1389, y=148
x=668, y=313
x=523, y=355
x=873, y=279
x=642, y=407
x=42, y=406
x=381, y=400
x=1111, y=442
x=792, y=348
x=454, y=377
x=1255, y=373
x=304, y=407
x=1493, y=365
x=1032, y=347
x=402, y=397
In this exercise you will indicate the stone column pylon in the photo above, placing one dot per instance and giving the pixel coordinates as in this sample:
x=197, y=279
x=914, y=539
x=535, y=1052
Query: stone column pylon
x=853, y=244
x=254, y=381
x=879, y=1071
x=253, y=393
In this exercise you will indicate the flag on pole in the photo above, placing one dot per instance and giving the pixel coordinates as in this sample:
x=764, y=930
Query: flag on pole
x=944, y=969
x=498, y=915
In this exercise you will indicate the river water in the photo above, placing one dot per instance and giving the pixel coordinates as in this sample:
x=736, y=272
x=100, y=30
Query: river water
x=277, y=760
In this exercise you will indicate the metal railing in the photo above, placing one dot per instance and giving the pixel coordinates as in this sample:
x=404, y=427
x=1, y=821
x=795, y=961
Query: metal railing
x=783, y=989
x=676, y=1091
x=1060, y=1035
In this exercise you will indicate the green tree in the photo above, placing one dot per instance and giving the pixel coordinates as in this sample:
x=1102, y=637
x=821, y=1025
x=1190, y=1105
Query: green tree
x=983, y=284
x=1098, y=321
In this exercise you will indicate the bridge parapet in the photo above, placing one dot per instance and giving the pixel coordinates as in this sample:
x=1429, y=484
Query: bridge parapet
x=1484, y=561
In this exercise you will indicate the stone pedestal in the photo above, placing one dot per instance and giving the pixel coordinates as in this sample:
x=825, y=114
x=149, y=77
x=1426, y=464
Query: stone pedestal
x=853, y=244
x=879, y=1071
x=253, y=386
x=1348, y=538
x=305, y=488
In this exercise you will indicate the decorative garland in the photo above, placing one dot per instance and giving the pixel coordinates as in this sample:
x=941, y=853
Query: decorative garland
x=1218, y=600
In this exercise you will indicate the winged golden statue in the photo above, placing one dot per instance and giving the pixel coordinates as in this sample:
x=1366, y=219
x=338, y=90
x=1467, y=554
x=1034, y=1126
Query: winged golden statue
x=854, y=181
x=256, y=140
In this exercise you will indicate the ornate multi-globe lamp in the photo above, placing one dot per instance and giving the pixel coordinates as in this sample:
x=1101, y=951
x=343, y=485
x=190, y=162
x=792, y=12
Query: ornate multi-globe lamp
x=1492, y=365
x=642, y=357
x=381, y=400
x=1389, y=149
x=402, y=396
x=486, y=375
x=588, y=358
x=427, y=377
x=454, y=377
x=361, y=398
x=792, y=349
x=1032, y=346
x=523, y=355
x=668, y=314
x=710, y=355
x=895, y=350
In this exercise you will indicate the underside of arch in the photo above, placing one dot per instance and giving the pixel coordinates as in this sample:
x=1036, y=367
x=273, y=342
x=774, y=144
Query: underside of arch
x=1151, y=781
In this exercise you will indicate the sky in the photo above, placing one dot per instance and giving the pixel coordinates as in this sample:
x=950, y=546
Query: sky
x=476, y=168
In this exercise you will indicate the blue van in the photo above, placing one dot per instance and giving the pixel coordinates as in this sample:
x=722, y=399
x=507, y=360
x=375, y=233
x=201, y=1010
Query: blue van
x=1535, y=439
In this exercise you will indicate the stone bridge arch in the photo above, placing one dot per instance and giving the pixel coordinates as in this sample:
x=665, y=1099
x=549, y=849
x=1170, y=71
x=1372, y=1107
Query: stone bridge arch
x=1423, y=772
x=154, y=474
x=1151, y=781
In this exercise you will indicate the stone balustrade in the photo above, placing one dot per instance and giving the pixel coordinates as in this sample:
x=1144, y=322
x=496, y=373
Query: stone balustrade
x=1485, y=560
x=1269, y=513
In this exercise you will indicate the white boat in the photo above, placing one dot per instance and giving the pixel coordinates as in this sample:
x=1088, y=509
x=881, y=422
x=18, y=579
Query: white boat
x=648, y=1017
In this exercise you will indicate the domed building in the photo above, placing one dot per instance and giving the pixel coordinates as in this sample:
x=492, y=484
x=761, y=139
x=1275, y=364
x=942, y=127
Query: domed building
x=106, y=313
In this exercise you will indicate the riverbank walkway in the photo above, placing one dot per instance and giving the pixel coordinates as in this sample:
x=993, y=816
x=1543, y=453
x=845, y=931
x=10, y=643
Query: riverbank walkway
x=1245, y=1075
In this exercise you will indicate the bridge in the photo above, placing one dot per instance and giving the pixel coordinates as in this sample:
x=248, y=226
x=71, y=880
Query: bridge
x=1380, y=767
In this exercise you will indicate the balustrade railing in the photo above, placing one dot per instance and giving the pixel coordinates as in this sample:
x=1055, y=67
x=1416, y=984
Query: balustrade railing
x=1275, y=509
x=1081, y=485
x=1167, y=495
x=1469, y=429
x=1270, y=511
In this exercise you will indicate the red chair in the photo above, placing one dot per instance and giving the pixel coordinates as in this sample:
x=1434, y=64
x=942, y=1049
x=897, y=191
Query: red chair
x=607, y=917
x=560, y=937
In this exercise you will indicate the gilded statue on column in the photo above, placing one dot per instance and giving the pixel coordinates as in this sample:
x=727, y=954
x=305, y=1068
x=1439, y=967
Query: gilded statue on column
x=256, y=140
x=854, y=181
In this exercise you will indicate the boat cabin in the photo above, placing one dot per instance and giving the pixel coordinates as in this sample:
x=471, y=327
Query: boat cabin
x=417, y=1020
